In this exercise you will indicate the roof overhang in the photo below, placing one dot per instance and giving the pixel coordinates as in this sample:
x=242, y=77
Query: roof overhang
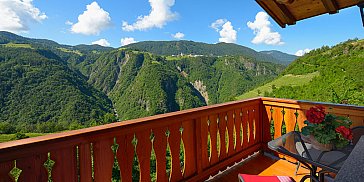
x=288, y=12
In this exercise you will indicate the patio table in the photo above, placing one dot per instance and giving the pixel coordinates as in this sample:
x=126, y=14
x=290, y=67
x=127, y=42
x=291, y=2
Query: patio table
x=293, y=145
x=353, y=168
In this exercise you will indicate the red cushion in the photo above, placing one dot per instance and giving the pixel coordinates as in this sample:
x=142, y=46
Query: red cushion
x=256, y=178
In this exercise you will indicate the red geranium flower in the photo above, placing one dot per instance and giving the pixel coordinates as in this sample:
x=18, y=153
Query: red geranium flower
x=316, y=114
x=345, y=132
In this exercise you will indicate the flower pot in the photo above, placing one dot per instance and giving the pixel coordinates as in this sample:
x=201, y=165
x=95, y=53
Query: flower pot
x=320, y=146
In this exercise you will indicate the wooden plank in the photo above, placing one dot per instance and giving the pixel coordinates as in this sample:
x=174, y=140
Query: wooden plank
x=103, y=159
x=238, y=120
x=5, y=168
x=245, y=115
x=268, y=119
x=277, y=118
x=205, y=162
x=222, y=132
x=289, y=119
x=257, y=125
x=143, y=150
x=230, y=127
x=290, y=19
x=251, y=126
x=65, y=166
x=301, y=118
x=174, y=141
x=330, y=6
x=125, y=156
x=33, y=169
x=160, y=149
x=213, y=138
x=85, y=162
x=189, y=141
x=357, y=121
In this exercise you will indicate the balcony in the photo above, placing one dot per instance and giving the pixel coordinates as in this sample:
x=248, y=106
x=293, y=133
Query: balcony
x=189, y=145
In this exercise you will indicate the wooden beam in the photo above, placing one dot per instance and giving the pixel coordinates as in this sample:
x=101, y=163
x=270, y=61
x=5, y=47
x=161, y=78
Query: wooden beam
x=271, y=13
x=291, y=20
x=331, y=6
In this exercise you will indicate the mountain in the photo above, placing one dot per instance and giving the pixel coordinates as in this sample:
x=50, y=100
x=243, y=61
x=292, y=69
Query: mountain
x=284, y=58
x=48, y=87
x=39, y=92
x=168, y=48
x=337, y=71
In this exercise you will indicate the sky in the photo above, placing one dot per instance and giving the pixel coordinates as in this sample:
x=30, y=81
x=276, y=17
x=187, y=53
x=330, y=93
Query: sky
x=121, y=22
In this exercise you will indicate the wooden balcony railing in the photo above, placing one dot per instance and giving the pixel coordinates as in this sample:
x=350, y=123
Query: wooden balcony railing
x=186, y=145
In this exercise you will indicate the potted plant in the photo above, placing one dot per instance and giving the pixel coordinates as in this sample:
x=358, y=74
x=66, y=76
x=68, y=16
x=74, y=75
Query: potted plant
x=324, y=131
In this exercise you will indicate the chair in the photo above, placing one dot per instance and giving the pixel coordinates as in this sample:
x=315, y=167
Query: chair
x=256, y=178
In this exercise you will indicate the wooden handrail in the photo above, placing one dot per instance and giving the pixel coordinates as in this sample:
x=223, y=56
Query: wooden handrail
x=210, y=139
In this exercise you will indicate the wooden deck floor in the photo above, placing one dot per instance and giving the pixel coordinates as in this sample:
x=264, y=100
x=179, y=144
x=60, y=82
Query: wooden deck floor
x=264, y=166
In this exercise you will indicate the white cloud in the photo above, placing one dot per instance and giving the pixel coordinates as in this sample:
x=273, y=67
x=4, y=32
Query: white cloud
x=159, y=15
x=263, y=32
x=217, y=24
x=102, y=42
x=127, y=40
x=227, y=33
x=302, y=52
x=178, y=35
x=92, y=21
x=226, y=30
x=17, y=15
x=68, y=22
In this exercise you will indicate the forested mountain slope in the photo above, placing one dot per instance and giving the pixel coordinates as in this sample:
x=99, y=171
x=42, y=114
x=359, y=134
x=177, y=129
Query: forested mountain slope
x=340, y=79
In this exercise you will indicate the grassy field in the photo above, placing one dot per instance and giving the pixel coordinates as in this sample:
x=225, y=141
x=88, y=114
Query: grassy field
x=70, y=51
x=9, y=137
x=17, y=45
x=286, y=80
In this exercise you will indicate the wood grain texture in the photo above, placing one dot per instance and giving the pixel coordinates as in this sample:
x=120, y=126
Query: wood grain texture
x=230, y=129
x=277, y=119
x=85, y=162
x=33, y=169
x=143, y=150
x=289, y=119
x=160, y=147
x=189, y=141
x=245, y=116
x=125, y=156
x=65, y=166
x=238, y=120
x=222, y=132
x=213, y=138
x=174, y=141
x=103, y=159
x=204, y=133
x=5, y=168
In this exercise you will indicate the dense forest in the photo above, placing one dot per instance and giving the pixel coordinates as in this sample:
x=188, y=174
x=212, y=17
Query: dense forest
x=49, y=87
x=340, y=75
x=168, y=48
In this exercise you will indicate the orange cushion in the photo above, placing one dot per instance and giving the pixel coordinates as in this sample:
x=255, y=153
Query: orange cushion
x=256, y=178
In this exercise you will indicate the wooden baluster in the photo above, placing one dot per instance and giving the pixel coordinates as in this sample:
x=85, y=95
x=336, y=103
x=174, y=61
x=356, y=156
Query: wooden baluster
x=160, y=149
x=301, y=118
x=85, y=162
x=289, y=119
x=238, y=120
x=251, y=126
x=143, y=150
x=230, y=127
x=258, y=129
x=65, y=166
x=213, y=137
x=189, y=141
x=5, y=168
x=103, y=159
x=202, y=140
x=277, y=118
x=357, y=121
x=267, y=119
x=174, y=141
x=33, y=168
x=245, y=117
x=125, y=156
x=222, y=131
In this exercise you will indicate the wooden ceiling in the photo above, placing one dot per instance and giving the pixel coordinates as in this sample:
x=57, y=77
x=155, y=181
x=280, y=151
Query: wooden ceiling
x=288, y=12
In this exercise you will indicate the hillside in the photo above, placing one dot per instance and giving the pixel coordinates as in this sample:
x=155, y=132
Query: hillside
x=39, y=92
x=197, y=48
x=340, y=79
x=284, y=58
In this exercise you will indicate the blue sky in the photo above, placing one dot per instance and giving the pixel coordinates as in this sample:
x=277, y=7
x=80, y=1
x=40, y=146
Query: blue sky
x=192, y=19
